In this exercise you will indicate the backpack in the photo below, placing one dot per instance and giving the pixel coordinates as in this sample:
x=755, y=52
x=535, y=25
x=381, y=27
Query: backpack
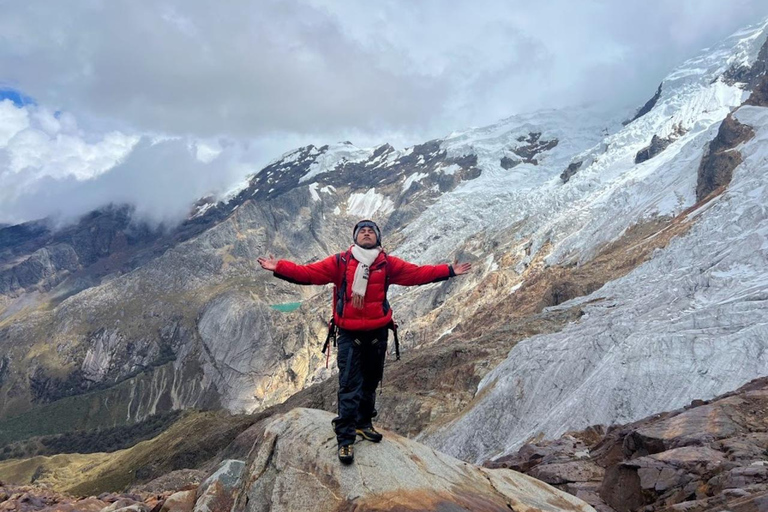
x=339, y=294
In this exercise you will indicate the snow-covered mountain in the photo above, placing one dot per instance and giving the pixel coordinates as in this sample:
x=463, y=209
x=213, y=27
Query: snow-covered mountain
x=645, y=230
x=689, y=323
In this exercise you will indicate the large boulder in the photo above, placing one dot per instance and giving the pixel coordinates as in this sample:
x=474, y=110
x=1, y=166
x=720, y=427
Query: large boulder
x=707, y=457
x=294, y=466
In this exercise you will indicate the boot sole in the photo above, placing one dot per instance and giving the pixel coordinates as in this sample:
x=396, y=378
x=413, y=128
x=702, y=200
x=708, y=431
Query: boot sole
x=368, y=438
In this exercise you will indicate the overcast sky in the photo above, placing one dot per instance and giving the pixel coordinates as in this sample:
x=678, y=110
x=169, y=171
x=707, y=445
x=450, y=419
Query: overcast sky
x=110, y=78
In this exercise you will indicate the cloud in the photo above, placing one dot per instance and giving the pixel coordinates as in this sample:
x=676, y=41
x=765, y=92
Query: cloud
x=229, y=86
x=51, y=168
x=247, y=69
x=159, y=178
x=36, y=143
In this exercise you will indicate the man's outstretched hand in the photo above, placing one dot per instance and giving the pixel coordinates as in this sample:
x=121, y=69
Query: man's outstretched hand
x=461, y=268
x=269, y=263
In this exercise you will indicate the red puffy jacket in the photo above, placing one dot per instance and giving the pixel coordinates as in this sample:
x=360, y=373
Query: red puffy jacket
x=385, y=270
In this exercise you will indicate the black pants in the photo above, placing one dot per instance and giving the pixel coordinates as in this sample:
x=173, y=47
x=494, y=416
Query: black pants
x=360, y=357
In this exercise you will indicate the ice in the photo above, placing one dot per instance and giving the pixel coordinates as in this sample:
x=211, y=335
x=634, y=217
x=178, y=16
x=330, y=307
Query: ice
x=334, y=156
x=313, y=191
x=690, y=323
x=413, y=178
x=368, y=204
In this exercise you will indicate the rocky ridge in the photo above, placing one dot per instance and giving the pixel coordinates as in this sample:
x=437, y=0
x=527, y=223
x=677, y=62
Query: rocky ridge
x=291, y=464
x=710, y=456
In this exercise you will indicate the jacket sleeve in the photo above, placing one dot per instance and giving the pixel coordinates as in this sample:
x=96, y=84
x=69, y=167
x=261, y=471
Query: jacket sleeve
x=320, y=272
x=407, y=274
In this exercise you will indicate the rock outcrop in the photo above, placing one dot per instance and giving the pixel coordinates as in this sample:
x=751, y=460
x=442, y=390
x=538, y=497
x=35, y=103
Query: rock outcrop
x=533, y=145
x=648, y=105
x=759, y=96
x=572, y=169
x=294, y=467
x=722, y=157
x=709, y=456
x=658, y=144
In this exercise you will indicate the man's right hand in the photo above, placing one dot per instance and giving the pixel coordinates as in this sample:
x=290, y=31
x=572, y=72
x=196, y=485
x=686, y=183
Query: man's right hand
x=268, y=263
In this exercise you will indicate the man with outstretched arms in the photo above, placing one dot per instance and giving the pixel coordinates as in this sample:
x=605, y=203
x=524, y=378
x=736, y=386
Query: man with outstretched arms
x=361, y=276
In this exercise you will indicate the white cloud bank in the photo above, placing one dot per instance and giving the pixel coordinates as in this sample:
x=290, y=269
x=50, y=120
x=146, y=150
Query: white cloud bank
x=274, y=75
x=49, y=167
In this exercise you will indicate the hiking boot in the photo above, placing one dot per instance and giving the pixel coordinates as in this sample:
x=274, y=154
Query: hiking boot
x=369, y=434
x=346, y=454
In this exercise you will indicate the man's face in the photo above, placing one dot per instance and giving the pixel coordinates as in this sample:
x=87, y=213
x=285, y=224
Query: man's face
x=366, y=238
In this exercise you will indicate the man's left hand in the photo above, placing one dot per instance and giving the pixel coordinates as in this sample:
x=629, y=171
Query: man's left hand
x=461, y=268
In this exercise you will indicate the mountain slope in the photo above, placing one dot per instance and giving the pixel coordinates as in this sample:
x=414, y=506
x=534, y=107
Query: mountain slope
x=690, y=322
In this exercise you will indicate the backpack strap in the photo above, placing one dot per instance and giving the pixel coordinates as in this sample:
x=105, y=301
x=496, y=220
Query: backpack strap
x=332, y=333
x=341, y=291
x=393, y=326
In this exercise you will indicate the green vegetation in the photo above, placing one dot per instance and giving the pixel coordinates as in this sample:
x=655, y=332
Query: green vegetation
x=98, y=409
x=286, y=307
x=190, y=442
x=91, y=441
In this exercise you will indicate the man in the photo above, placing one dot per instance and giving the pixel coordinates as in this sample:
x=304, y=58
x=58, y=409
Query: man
x=361, y=311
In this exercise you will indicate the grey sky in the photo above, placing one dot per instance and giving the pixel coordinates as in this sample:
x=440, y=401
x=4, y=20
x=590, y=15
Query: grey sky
x=274, y=74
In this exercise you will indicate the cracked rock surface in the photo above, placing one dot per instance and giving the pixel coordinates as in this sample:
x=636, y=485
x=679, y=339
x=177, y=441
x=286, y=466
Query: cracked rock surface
x=293, y=466
x=707, y=457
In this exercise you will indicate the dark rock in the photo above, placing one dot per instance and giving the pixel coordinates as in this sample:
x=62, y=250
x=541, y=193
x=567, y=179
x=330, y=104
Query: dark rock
x=759, y=96
x=508, y=163
x=719, y=161
x=749, y=76
x=658, y=144
x=647, y=107
x=621, y=489
x=572, y=169
x=45, y=388
x=533, y=146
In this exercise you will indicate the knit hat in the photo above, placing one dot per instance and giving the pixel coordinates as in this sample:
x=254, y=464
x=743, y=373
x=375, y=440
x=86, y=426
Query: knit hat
x=366, y=224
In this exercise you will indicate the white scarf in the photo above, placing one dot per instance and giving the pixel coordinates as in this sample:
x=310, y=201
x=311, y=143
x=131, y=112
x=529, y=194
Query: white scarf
x=365, y=258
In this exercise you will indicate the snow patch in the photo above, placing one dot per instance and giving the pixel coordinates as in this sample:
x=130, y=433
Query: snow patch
x=334, y=156
x=313, y=191
x=413, y=178
x=450, y=170
x=366, y=205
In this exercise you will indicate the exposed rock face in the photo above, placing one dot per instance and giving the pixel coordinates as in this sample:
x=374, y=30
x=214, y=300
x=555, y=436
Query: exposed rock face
x=658, y=144
x=720, y=159
x=759, y=96
x=749, y=76
x=33, y=256
x=572, y=169
x=216, y=492
x=532, y=146
x=709, y=456
x=294, y=467
x=648, y=105
x=508, y=163
x=248, y=355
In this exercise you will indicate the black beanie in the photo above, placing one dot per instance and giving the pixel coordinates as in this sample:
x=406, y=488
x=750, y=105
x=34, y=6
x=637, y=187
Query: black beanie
x=366, y=224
